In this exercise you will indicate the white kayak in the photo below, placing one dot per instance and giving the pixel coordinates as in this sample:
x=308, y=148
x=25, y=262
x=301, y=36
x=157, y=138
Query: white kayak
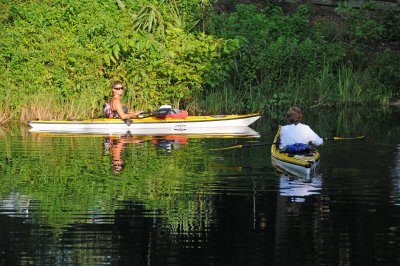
x=151, y=125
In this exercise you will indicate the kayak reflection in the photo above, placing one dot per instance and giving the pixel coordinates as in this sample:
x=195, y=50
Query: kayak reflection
x=168, y=143
x=299, y=188
x=115, y=145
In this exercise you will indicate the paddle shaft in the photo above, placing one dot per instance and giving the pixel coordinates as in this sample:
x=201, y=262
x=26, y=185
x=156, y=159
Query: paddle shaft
x=344, y=138
x=242, y=146
x=257, y=144
x=272, y=143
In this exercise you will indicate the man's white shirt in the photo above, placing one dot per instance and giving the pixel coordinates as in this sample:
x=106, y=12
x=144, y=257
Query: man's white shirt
x=300, y=133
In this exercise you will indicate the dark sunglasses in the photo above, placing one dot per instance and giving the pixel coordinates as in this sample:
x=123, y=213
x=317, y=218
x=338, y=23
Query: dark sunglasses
x=118, y=88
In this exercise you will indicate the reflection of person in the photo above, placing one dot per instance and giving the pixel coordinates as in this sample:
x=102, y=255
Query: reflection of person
x=120, y=111
x=116, y=147
x=296, y=132
x=299, y=188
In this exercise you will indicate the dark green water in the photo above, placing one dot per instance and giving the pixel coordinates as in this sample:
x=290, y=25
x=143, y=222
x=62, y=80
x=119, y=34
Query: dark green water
x=94, y=200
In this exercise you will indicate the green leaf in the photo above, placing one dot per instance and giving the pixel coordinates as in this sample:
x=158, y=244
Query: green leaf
x=113, y=59
x=120, y=4
x=107, y=59
x=115, y=51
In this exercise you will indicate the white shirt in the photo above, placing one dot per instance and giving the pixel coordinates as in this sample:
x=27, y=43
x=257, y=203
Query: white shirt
x=300, y=133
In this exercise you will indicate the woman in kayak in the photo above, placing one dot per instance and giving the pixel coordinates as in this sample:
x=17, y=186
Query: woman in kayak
x=296, y=132
x=118, y=110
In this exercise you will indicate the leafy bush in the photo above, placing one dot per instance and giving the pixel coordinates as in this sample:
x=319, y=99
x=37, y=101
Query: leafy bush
x=69, y=51
x=326, y=64
x=58, y=58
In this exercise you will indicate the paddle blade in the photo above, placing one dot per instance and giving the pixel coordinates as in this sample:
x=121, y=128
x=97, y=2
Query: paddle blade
x=348, y=138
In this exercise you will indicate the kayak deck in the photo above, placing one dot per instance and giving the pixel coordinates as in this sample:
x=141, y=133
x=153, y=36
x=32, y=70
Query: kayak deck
x=150, y=119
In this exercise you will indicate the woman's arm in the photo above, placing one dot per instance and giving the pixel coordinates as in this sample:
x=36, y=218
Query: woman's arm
x=134, y=114
x=117, y=106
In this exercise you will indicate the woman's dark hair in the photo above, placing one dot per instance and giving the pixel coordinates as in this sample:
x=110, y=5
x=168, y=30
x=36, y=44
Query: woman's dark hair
x=294, y=115
x=116, y=82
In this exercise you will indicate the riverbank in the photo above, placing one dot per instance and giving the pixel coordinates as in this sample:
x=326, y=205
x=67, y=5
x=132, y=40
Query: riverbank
x=58, y=59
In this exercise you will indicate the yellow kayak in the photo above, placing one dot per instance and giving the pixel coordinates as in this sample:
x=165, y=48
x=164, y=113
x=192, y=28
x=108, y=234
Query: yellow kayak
x=299, y=165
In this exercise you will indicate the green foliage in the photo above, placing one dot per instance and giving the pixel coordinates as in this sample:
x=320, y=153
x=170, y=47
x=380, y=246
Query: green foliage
x=361, y=33
x=53, y=48
x=391, y=23
x=165, y=70
x=70, y=51
x=263, y=38
x=161, y=61
x=283, y=61
x=274, y=49
x=63, y=55
x=384, y=72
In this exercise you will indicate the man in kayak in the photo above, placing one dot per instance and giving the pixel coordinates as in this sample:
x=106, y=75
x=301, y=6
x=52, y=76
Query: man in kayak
x=118, y=110
x=296, y=132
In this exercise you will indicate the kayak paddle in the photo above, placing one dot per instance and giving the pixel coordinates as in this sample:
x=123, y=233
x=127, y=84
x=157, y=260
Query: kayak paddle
x=242, y=146
x=344, y=138
x=272, y=143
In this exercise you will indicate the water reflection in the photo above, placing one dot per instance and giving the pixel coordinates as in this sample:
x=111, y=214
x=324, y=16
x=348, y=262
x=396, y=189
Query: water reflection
x=16, y=205
x=115, y=142
x=116, y=145
x=299, y=188
x=68, y=176
x=396, y=176
x=175, y=202
x=168, y=143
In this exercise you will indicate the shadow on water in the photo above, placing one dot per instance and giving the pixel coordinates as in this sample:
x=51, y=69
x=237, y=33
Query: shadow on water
x=171, y=200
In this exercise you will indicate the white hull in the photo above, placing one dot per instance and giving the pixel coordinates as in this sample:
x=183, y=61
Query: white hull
x=294, y=169
x=203, y=124
x=214, y=131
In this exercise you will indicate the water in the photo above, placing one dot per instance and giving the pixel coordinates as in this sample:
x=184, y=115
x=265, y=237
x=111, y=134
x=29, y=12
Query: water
x=98, y=200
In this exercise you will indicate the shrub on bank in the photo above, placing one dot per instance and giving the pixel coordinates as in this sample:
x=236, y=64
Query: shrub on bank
x=57, y=58
x=287, y=59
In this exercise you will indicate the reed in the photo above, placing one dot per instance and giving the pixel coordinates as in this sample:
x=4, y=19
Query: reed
x=6, y=115
x=330, y=86
x=6, y=108
x=226, y=99
x=346, y=85
x=312, y=89
x=324, y=84
x=45, y=108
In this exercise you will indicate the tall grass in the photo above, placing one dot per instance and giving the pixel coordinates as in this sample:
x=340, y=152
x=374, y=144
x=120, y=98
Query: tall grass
x=330, y=86
x=6, y=109
x=226, y=99
x=6, y=115
x=347, y=86
x=44, y=107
